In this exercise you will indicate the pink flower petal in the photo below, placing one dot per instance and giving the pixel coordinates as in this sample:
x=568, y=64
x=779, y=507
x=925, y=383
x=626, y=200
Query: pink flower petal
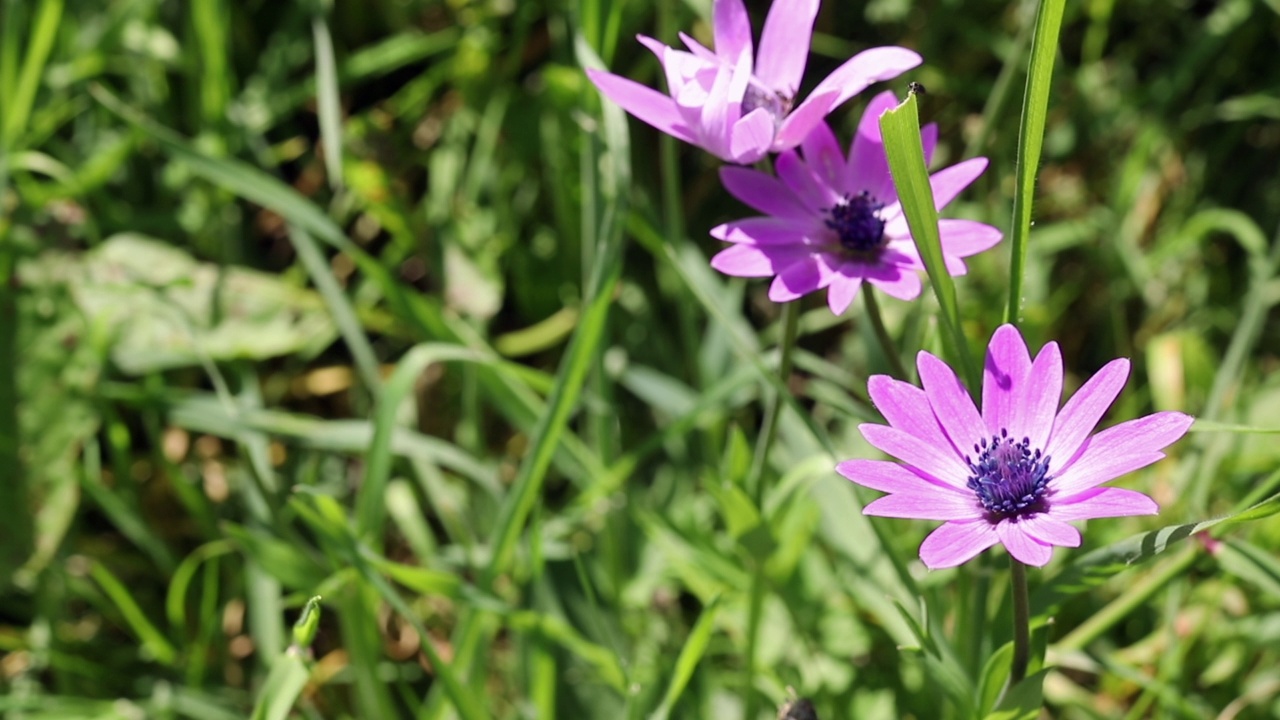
x=1084, y=409
x=950, y=182
x=699, y=50
x=717, y=113
x=895, y=282
x=941, y=463
x=867, y=67
x=732, y=28
x=868, y=166
x=823, y=155
x=906, y=407
x=933, y=505
x=751, y=136
x=784, y=44
x=1021, y=545
x=1121, y=449
x=955, y=543
x=843, y=288
x=800, y=121
x=929, y=141
x=762, y=192
x=892, y=477
x=1103, y=502
x=800, y=278
x=962, y=238
x=761, y=231
x=951, y=403
x=1050, y=530
x=1040, y=396
x=746, y=260
x=808, y=187
x=648, y=105
x=1006, y=368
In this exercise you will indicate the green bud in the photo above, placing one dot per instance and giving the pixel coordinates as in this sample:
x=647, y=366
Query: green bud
x=304, y=631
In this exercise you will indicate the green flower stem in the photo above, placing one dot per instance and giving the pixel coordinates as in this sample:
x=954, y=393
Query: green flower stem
x=882, y=334
x=756, y=486
x=1021, y=623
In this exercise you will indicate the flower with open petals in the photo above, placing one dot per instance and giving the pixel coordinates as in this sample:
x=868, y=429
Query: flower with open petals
x=740, y=105
x=1017, y=473
x=835, y=222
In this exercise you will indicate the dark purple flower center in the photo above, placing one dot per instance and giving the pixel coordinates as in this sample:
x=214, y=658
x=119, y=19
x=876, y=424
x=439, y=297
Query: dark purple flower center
x=1008, y=477
x=775, y=103
x=856, y=221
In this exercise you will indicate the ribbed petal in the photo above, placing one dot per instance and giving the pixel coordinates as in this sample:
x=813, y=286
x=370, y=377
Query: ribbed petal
x=823, y=155
x=1021, y=545
x=1040, y=396
x=648, y=105
x=957, y=542
x=1121, y=449
x=784, y=44
x=843, y=288
x=892, y=477
x=906, y=407
x=950, y=182
x=1083, y=411
x=1003, y=374
x=962, y=238
x=800, y=121
x=796, y=174
x=1050, y=530
x=761, y=231
x=865, y=68
x=934, y=505
x=1103, y=502
x=951, y=403
x=714, y=117
x=751, y=136
x=868, y=166
x=938, y=462
x=732, y=30
x=746, y=260
x=762, y=192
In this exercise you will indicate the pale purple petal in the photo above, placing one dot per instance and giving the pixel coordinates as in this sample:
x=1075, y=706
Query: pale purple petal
x=808, y=188
x=1050, y=530
x=937, y=462
x=1040, y=396
x=868, y=166
x=906, y=407
x=746, y=260
x=1121, y=449
x=894, y=281
x=699, y=50
x=800, y=121
x=732, y=28
x=798, y=279
x=646, y=104
x=1103, y=502
x=950, y=402
x=929, y=141
x=784, y=44
x=892, y=477
x=1006, y=368
x=932, y=505
x=867, y=67
x=761, y=231
x=751, y=136
x=1021, y=545
x=1083, y=411
x=717, y=114
x=950, y=182
x=843, y=288
x=823, y=155
x=955, y=543
x=962, y=238
x=762, y=192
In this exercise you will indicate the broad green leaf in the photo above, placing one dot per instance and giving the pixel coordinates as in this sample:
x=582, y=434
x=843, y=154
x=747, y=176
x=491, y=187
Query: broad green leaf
x=1024, y=701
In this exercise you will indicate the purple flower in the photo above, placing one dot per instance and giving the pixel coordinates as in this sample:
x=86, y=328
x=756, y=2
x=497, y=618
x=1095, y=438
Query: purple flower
x=834, y=222
x=740, y=107
x=1018, y=472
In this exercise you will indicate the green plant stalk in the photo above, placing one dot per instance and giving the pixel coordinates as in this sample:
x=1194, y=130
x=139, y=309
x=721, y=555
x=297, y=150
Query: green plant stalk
x=887, y=345
x=900, y=128
x=1035, y=107
x=1133, y=598
x=756, y=486
x=1021, y=622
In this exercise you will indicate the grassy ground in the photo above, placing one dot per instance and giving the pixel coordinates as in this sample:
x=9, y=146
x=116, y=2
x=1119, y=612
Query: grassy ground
x=373, y=301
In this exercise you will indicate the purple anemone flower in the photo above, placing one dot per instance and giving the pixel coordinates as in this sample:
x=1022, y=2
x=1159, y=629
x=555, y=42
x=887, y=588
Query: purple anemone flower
x=1017, y=473
x=834, y=222
x=740, y=105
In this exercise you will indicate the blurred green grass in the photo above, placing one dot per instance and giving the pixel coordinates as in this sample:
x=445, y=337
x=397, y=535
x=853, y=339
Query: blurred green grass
x=425, y=330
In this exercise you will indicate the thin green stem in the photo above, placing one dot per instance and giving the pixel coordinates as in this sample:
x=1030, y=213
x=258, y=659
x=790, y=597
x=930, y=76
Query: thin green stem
x=887, y=345
x=1021, y=622
x=756, y=485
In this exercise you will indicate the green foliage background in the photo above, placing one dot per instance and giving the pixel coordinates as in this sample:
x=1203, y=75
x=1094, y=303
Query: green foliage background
x=376, y=301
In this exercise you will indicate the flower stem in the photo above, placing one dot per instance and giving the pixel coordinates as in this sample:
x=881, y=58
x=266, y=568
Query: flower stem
x=882, y=334
x=1021, y=623
x=756, y=486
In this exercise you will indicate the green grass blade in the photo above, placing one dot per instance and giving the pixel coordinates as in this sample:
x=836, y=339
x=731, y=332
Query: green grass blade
x=17, y=109
x=1035, y=109
x=327, y=106
x=690, y=655
x=153, y=641
x=900, y=128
